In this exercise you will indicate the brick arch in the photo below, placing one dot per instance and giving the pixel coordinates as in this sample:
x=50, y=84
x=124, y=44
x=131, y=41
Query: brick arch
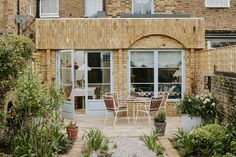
x=156, y=41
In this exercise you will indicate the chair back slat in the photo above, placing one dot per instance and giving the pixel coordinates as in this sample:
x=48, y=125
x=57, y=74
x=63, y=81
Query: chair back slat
x=115, y=96
x=109, y=102
x=156, y=102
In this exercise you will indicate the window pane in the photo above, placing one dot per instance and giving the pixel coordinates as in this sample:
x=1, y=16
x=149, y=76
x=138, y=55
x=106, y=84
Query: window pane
x=97, y=91
x=99, y=76
x=65, y=60
x=169, y=59
x=142, y=59
x=144, y=90
x=92, y=7
x=143, y=75
x=49, y=6
x=96, y=59
x=142, y=6
x=169, y=73
x=65, y=76
x=173, y=88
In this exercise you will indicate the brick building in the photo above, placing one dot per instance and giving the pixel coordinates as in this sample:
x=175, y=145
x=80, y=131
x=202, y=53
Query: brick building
x=94, y=46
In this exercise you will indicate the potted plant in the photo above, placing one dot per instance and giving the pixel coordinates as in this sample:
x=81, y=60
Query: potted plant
x=72, y=130
x=190, y=108
x=160, y=122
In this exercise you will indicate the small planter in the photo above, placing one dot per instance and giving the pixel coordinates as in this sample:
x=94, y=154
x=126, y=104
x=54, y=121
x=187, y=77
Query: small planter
x=160, y=128
x=188, y=123
x=72, y=132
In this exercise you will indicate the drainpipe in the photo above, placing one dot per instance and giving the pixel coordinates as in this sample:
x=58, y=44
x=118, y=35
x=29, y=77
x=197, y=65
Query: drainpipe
x=37, y=8
x=18, y=13
x=104, y=6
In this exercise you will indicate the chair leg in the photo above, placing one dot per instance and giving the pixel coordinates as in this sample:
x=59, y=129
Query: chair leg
x=127, y=116
x=136, y=119
x=149, y=119
x=114, y=123
x=105, y=121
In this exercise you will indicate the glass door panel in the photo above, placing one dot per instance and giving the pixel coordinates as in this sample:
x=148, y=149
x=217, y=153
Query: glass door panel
x=66, y=83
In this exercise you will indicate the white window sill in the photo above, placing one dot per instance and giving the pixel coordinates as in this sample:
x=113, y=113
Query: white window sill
x=49, y=16
x=219, y=7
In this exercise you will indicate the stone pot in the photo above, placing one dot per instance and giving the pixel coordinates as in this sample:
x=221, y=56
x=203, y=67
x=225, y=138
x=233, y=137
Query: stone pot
x=72, y=132
x=190, y=122
x=160, y=127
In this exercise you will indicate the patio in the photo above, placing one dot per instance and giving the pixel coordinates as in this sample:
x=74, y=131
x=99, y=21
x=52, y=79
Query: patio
x=122, y=131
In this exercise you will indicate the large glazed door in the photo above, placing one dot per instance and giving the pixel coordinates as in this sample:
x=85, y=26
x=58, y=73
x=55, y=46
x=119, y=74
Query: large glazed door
x=66, y=82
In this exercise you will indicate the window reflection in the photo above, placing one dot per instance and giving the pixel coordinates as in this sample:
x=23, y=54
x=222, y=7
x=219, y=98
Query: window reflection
x=99, y=80
x=169, y=73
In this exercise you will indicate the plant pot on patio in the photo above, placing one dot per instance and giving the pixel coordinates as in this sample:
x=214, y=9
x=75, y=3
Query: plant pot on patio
x=72, y=130
x=190, y=122
x=160, y=122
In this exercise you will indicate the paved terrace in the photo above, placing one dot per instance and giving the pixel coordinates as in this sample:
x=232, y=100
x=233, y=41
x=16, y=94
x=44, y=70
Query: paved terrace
x=125, y=135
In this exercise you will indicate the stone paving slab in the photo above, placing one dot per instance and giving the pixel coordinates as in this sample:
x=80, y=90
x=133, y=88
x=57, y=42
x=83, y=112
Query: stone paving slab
x=123, y=131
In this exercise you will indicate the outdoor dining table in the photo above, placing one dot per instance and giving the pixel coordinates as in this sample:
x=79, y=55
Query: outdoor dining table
x=135, y=101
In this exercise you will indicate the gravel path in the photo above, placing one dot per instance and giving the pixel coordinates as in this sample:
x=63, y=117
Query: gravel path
x=130, y=147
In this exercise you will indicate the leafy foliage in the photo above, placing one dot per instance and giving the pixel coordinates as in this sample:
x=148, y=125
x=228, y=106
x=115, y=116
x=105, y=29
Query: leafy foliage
x=95, y=140
x=160, y=117
x=151, y=142
x=35, y=131
x=15, y=54
x=208, y=140
x=204, y=105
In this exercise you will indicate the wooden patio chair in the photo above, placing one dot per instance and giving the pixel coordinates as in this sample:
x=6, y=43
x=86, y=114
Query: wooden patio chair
x=153, y=106
x=112, y=106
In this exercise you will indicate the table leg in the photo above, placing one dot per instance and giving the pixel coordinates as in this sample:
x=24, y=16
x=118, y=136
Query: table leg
x=133, y=113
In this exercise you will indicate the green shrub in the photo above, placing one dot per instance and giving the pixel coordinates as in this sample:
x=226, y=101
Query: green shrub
x=15, y=54
x=94, y=140
x=208, y=140
x=183, y=142
x=151, y=143
x=36, y=129
x=160, y=117
x=204, y=105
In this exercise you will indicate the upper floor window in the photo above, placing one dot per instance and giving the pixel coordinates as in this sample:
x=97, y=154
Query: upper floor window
x=92, y=7
x=142, y=6
x=49, y=8
x=217, y=3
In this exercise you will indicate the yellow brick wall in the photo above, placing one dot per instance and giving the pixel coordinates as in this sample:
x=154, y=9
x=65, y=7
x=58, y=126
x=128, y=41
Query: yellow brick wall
x=8, y=12
x=71, y=8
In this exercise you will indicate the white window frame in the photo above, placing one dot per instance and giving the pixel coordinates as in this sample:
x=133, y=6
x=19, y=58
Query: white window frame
x=85, y=8
x=111, y=73
x=152, y=7
x=156, y=70
x=30, y=7
x=47, y=15
x=214, y=6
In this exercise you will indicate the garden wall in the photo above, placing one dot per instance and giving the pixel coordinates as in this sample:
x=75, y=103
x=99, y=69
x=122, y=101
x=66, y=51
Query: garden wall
x=207, y=61
x=224, y=87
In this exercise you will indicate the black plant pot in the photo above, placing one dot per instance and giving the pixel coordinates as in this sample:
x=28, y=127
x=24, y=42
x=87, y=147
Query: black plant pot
x=160, y=128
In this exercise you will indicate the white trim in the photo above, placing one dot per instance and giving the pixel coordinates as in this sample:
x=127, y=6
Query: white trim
x=48, y=15
x=183, y=72
x=30, y=8
x=215, y=6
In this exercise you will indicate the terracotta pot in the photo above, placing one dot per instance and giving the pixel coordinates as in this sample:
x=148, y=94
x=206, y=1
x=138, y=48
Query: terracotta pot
x=72, y=132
